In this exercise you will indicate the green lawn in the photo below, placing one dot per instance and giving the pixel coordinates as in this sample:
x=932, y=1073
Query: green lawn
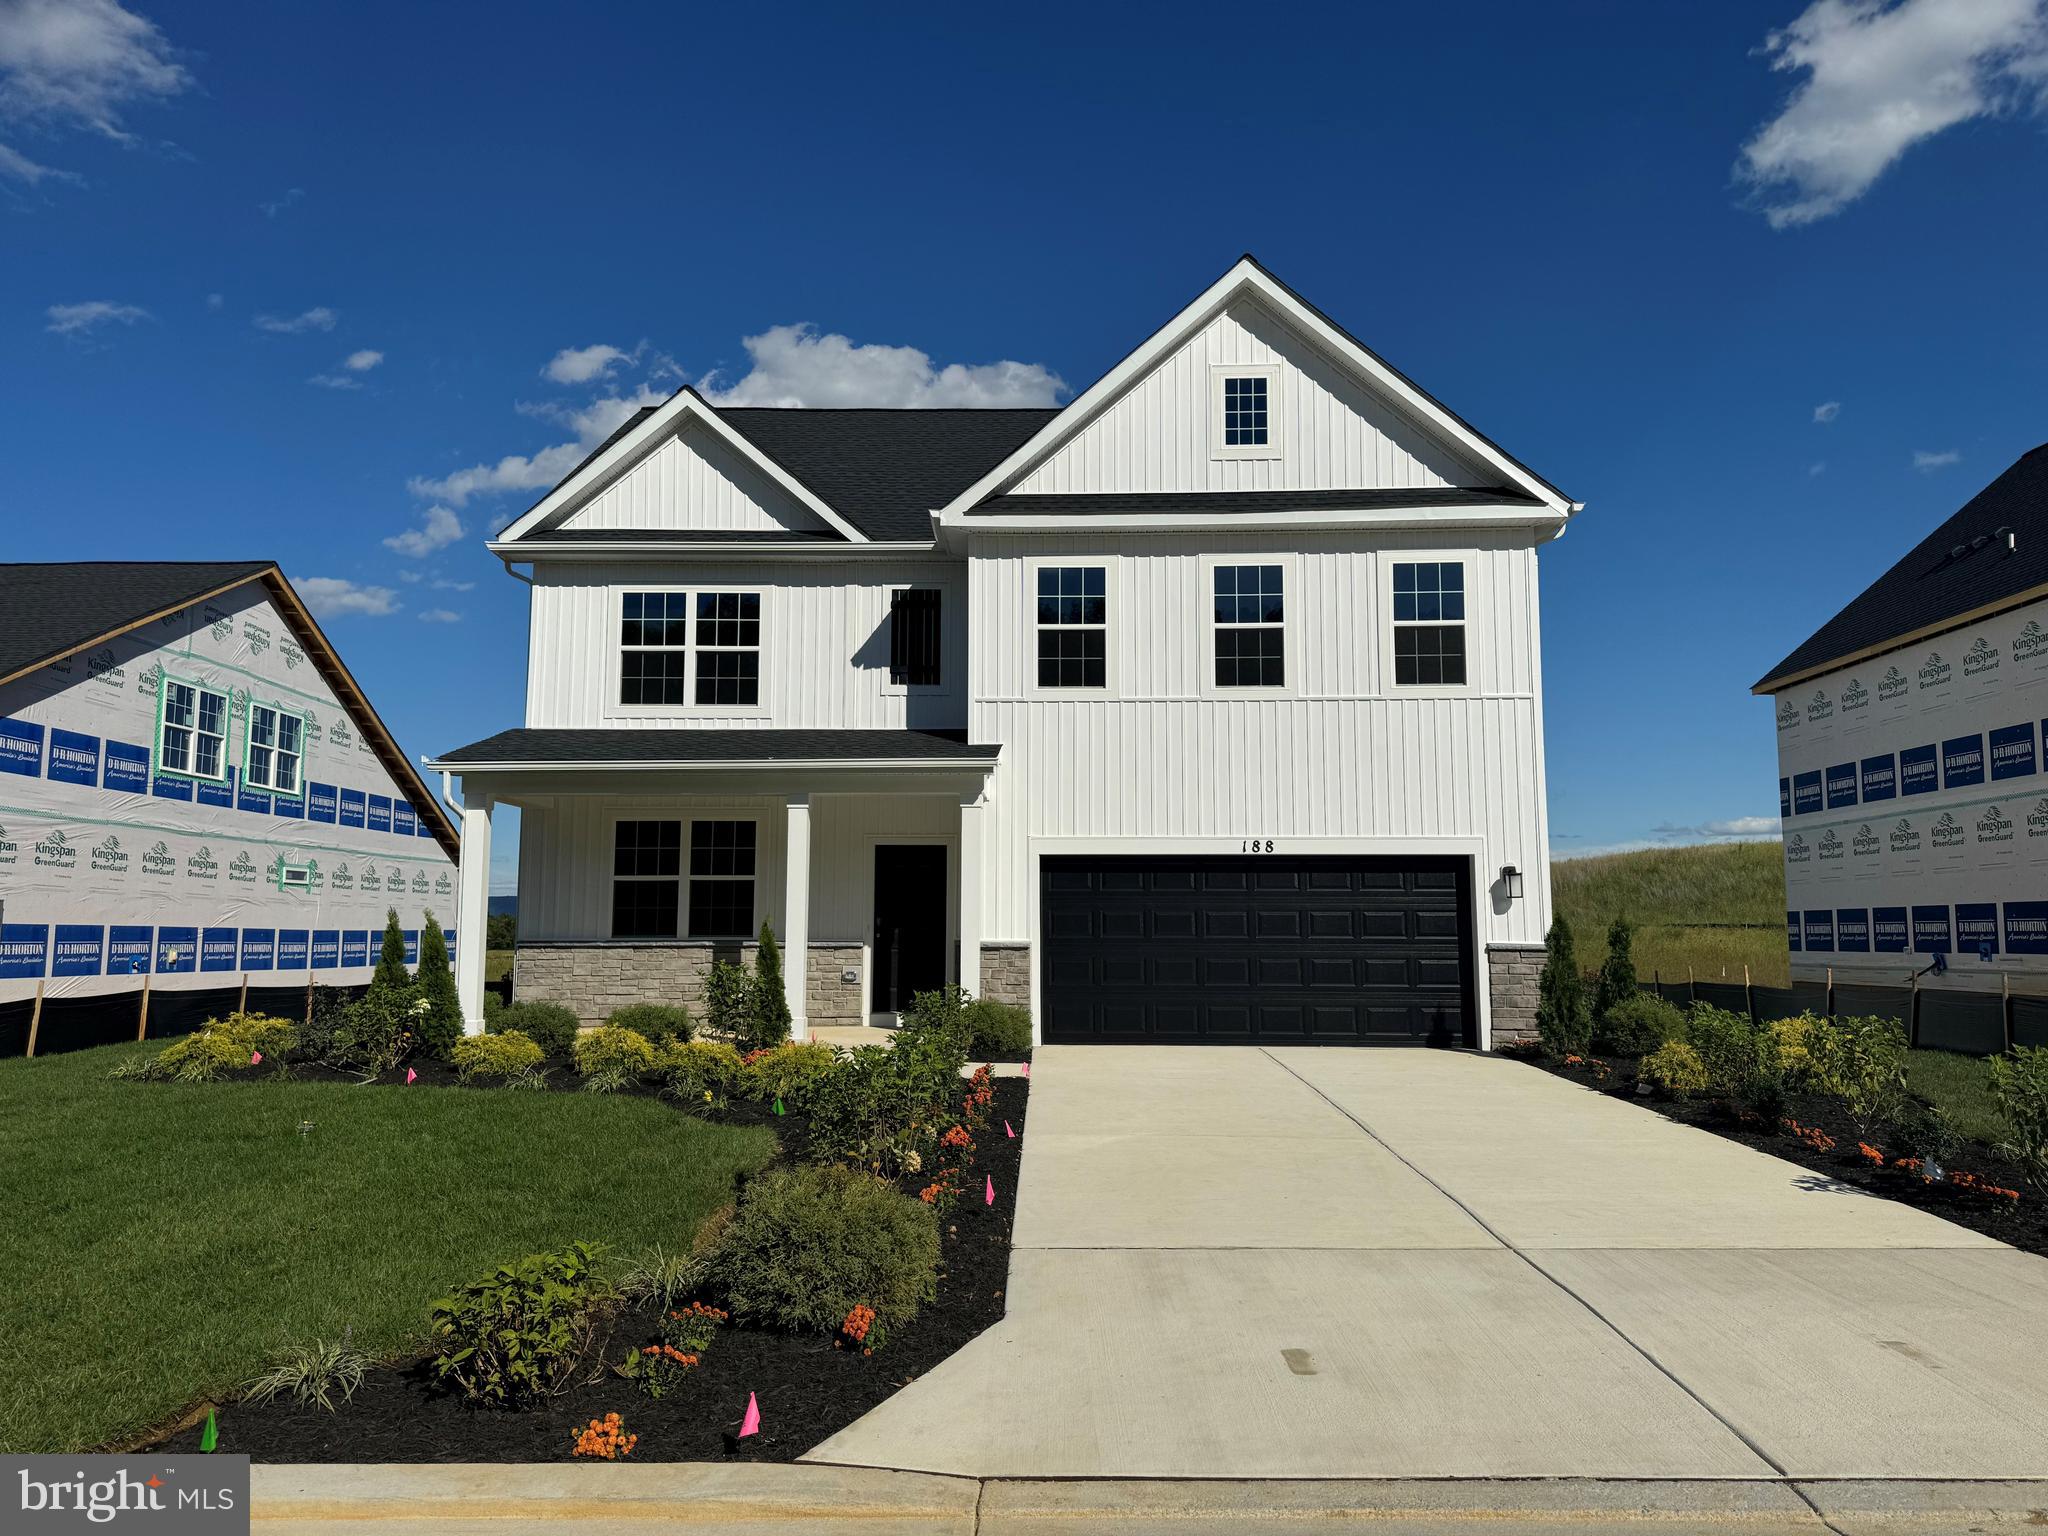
x=163, y=1240
x=1961, y=1085
x=497, y=964
x=1713, y=908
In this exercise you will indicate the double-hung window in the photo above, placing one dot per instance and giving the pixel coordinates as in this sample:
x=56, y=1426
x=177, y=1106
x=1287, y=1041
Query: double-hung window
x=1429, y=623
x=647, y=869
x=721, y=879
x=729, y=648
x=654, y=629
x=1251, y=633
x=192, y=731
x=1073, y=626
x=914, y=637
x=276, y=749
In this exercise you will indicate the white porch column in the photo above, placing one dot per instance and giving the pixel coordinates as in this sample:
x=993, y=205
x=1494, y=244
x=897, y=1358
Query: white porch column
x=473, y=919
x=796, y=915
x=973, y=810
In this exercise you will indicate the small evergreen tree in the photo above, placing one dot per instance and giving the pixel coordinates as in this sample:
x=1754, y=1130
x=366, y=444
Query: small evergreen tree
x=1617, y=980
x=391, y=971
x=771, y=1008
x=1562, y=1022
x=441, y=1025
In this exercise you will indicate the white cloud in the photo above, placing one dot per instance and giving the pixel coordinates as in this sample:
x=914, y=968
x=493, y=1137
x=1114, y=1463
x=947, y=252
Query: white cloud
x=410, y=576
x=363, y=361
x=438, y=528
x=330, y=597
x=83, y=319
x=1817, y=468
x=1880, y=77
x=795, y=365
x=1827, y=410
x=1927, y=462
x=443, y=584
x=1734, y=828
x=592, y=423
x=440, y=616
x=278, y=205
x=579, y=365
x=78, y=63
x=319, y=318
x=335, y=381
x=216, y=302
x=17, y=166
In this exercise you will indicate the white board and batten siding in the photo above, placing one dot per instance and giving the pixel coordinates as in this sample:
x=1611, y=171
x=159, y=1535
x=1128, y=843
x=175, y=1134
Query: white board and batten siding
x=1339, y=755
x=1331, y=432
x=693, y=480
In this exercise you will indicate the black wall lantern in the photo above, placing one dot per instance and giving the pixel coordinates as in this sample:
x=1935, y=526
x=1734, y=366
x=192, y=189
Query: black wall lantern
x=1511, y=878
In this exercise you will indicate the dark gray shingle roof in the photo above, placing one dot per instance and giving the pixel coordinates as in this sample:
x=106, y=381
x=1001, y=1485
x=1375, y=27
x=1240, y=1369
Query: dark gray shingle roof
x=596, y=748
x=50, y=610
x=1946, y=575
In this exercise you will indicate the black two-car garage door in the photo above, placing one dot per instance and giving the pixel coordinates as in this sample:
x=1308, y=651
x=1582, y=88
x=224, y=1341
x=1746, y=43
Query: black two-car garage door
x=1269, y=948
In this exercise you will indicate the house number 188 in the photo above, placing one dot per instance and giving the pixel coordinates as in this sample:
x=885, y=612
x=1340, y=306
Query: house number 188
x=1257, y=845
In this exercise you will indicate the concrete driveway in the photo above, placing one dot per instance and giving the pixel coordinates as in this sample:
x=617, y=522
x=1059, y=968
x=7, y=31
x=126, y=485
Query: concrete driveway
x=1237, y=1263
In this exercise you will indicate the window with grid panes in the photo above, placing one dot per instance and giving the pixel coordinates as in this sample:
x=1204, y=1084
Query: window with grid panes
x=1429, y=623
x=721, y=879
x=1244, y=412
x=1251, y=637
x=1073, y=626
x=729, y=648
x=654, y=632
x=647, y=870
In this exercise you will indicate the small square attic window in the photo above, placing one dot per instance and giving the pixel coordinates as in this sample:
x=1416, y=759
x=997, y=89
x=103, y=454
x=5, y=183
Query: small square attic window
x=1244, y=417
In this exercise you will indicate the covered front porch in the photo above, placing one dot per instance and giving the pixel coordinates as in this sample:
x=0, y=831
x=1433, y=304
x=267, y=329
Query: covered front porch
x=646, y=855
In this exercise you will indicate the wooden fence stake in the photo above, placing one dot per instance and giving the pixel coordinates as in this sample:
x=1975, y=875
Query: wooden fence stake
x=142, y=1024
x=309, y=1000
x=243, y=1005
x=35, y=1018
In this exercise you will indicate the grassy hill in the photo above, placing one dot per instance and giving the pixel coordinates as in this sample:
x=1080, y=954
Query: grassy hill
x=1715, y=908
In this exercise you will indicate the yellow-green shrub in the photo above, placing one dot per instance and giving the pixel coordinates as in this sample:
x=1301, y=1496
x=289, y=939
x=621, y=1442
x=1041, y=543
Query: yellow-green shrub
x=504, y=1055
x=612, y=1056
x=699, y=1067
x=1676, y=1068
x=788, y=1072
x=1792, y=1039
x=221, y=1046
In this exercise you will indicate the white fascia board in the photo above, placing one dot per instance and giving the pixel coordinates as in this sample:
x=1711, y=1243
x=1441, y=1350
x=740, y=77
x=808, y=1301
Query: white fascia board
x=1505, y=515
x=736, y=765
x=521, y=551
x=1247, y=276
x=683, y=406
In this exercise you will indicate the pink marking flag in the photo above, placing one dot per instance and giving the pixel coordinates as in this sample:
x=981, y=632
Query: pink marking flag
x=1027, y=1070
x=1012, y=1135
x=255, y=1058
x=751, y=1424
x=989, y=1198
x=410, y=1075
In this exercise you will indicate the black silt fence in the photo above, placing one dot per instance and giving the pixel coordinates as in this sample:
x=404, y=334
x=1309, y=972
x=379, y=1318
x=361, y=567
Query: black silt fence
x=1972, y=1023
x=1730, y=995
x=2030, y=1021
x=80, y=1023
x=1768, y=1003
x=1863, y=1002
x=1677, y=993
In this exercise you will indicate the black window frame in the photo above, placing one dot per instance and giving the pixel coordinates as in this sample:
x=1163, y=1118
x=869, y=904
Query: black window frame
x=1429, y=624
x=916, y=649
x=725, y=634
x=1249, y=624
x=724, y=865
x=1071, y=622
x=661, y=664
x=1247, y=403
x=647, y=870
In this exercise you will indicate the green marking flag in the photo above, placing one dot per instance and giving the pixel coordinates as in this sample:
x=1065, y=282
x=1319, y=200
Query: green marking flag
x=209, y=1437
x=778, y=1103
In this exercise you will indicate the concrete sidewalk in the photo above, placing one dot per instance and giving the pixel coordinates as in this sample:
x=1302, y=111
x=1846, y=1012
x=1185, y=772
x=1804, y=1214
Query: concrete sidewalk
x=771, y=1500
x=1238, y=1263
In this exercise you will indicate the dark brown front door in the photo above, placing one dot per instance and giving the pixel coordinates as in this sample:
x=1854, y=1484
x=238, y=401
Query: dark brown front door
x=910, y=923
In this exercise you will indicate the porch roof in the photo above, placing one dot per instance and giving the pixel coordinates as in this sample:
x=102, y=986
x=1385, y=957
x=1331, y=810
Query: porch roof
x=528, y=748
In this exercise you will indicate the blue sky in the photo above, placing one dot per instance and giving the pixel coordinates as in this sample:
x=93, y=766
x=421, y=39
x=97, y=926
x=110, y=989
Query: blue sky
x=342, y=285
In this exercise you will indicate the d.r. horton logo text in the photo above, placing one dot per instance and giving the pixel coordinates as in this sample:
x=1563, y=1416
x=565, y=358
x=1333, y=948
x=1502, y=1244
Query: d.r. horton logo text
x=1819, y=707
x=1980, y=658
x=1905, y=837
x=1830, y=845
x=1864, y=843
x=1934, y=672
x=1994, y=826
x=1892, y=684
x=1854, y=696
x=1948, y=832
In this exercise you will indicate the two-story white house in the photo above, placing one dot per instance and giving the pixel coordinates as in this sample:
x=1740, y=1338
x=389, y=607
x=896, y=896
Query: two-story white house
x=1207, y=707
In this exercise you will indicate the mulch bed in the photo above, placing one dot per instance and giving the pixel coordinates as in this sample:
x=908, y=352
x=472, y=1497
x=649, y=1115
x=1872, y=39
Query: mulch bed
x=2024, y=1223
x=807, y=1390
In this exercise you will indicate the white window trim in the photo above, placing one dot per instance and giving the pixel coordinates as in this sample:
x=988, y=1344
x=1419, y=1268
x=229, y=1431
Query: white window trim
x=754, y=917
x=1270, y=448
x=1028, y=649
x=157, y=765
x=615, y=614
x=1469, y=559
x=1290, y=625
x=298, y=792
x=947, y=662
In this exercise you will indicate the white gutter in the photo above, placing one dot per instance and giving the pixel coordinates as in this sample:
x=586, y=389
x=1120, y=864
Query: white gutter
x=736, y=765
x=524, y=550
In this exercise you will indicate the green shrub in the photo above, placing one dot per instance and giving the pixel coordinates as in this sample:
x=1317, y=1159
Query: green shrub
x=494, y=1004
x=379, y=1029
x=2019, y=1087
x=1740, y=1058
x=504, y=1055
x=1563, y=1022
x=1676, y=1068
x=701, y=1071
x=788, y=1072
x=1792, y=1039
x=518, y=1335
x=1862, y=1062
x=613, y=1057
x=391, y=971
x=767, y=1021
x=501, y=930
x=996, y=1029
x=548, y=1025
x=660, y=1023
x=219, y=1047
x=1616, y=983
x=1637, y=1025
x=316, y=1035
x=729, y=1000
x=807, y=1245
x=884, y=1107
x=311, y=1375
x=440, y=1023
